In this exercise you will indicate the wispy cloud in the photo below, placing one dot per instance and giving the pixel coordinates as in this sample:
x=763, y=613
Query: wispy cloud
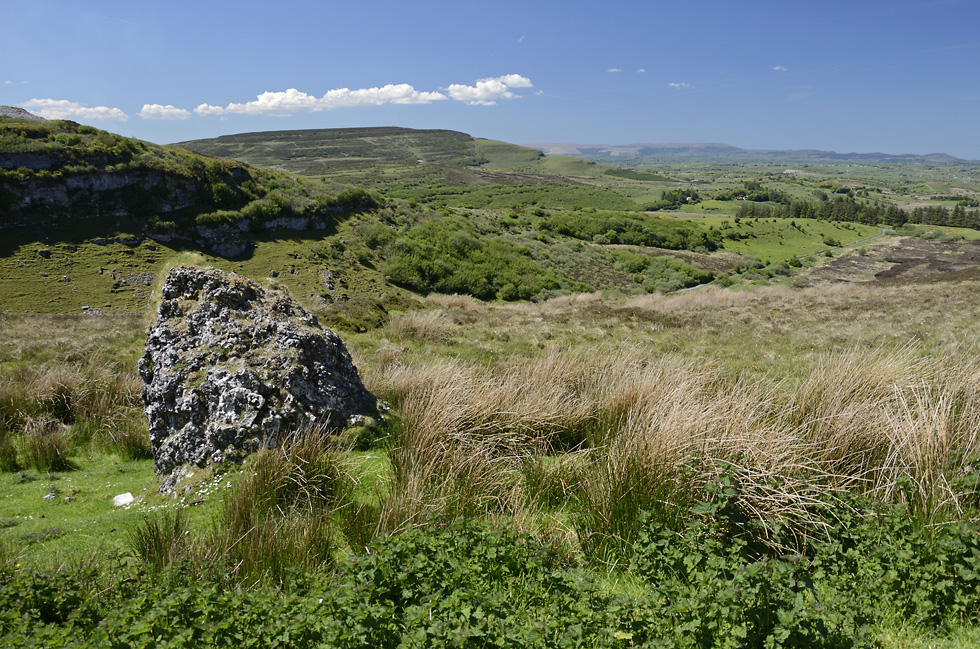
x=961, y=46
x=641, y=70
x=486, y=92
x=679, y=85
x=168, y=112
x=64, y=109
x=779, y=68
x=521, y=39
x=614, y=70
x=800, y=96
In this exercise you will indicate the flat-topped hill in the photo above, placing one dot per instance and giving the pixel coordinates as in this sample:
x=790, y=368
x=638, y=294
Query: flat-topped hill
x=309, y=150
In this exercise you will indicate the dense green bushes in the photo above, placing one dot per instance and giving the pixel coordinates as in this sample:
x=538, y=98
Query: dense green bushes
x=632, y=229
x=671, y=199
x=551, y=195
x=663, y=274
x=444, y=256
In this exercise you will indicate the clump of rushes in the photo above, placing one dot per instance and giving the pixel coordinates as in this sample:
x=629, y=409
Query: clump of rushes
x=8, y=453
x=46, y=446
x=161, y=538
x=280, y=514
x=127, y=435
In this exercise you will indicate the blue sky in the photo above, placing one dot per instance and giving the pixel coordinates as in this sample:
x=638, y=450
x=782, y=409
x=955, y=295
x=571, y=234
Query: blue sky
x=891, y=76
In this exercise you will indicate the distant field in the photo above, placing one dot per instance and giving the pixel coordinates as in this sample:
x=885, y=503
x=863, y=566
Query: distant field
x=776, y=239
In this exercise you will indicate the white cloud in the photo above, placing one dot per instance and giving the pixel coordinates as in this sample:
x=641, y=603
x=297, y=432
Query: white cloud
x=614, y=70
x=64, y=109
x=675, y=84
x=293, y=101
x=486, y=92
x=641, y=70
x=156, y=111
x=779, y=68
x=8, y=83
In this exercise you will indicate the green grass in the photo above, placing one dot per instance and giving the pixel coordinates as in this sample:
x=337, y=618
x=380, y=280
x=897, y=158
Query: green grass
x=506, y=157
x=778, y=239
x=710, y=207
x=80, y=522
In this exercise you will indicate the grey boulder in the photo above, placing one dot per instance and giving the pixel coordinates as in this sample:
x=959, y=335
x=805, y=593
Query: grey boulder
x=230, y=366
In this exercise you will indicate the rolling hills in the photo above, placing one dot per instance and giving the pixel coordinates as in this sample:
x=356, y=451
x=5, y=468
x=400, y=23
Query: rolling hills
x=667, y=152
x=357, y=222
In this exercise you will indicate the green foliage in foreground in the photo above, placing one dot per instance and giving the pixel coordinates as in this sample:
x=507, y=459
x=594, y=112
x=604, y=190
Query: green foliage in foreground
x=719, y=581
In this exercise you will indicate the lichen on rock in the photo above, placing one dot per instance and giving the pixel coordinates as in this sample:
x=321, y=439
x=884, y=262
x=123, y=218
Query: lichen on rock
x=230, y=366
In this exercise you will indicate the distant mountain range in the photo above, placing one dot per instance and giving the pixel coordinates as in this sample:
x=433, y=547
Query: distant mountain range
x=724, y=152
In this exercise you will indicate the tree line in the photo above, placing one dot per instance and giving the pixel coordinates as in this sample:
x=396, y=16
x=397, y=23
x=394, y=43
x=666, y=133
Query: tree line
x=866, y=213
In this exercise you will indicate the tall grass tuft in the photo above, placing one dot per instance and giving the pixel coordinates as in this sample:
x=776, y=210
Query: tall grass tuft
x=462, y=438
x=432, y=326
x=279, y=516
x=161, y=539
x=46, y=446
x=127, y=435
x=641, y=434
x=8, y=453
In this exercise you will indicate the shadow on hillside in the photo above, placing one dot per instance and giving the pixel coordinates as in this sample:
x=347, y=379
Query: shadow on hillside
x=133, y=233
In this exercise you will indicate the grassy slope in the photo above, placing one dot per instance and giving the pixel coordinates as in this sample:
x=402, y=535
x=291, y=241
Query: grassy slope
x=778, y=239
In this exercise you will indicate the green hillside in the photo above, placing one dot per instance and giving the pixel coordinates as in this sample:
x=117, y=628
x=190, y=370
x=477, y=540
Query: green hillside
x=314, y=151
x=434, y=166
x=85, y=182
x=321, y=151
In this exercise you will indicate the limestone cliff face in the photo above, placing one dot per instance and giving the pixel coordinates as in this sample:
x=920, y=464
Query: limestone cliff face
x=230, y=366
x=99, y=193
x=58, y=173
x=54, y=196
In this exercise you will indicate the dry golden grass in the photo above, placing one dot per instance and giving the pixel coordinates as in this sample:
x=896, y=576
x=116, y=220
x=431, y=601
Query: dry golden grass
x=651, y=430
x=421, y=326
x=577, y=298
x=463, y=302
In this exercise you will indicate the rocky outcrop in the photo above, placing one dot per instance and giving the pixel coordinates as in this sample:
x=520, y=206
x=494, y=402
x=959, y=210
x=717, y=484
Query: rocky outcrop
x=230, y=367
x=48, y=201
x=19, y=113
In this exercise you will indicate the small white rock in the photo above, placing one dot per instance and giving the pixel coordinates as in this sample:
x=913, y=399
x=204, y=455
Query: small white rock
x=123, y=499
